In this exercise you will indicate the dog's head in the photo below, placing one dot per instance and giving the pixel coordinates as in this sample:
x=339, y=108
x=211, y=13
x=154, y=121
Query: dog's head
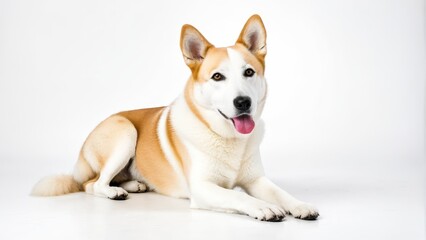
x=227, y=87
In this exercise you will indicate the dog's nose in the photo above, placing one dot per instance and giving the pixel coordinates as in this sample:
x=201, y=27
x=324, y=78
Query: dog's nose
x=242, y=103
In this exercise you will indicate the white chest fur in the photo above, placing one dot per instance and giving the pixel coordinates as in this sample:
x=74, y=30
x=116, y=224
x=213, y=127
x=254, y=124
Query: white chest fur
x=218, y=161
x=212, y=157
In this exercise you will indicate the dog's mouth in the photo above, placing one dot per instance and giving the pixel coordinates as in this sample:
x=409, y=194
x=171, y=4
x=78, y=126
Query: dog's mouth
x=243, y=123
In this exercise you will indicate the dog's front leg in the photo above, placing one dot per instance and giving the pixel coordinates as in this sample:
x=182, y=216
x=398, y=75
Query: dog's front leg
x=207, y=195
x=263, y=188
x=257, y=185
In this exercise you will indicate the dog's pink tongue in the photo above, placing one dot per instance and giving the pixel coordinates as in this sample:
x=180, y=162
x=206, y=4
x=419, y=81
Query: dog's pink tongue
x=244, y=124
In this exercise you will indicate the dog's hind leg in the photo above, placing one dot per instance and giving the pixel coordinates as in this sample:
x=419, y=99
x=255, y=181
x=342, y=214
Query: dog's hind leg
x=113, y=166
x=108, y=149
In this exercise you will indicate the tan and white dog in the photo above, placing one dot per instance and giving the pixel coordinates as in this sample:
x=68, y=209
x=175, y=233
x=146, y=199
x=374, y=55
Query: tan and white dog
x=200, y=147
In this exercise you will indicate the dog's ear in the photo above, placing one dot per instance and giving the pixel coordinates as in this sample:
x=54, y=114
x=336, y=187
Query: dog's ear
x=253, y=36
x=194, y=46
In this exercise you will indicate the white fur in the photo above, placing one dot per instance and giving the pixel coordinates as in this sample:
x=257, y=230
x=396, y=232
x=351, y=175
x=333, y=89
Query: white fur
x=55, y=185
x=262, y=188
x=182, y=191
x=219, y=95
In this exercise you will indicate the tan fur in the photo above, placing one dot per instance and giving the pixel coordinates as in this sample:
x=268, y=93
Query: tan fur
x=193, y=62
x=213, y=58
x=171, y=137
x=150, y=159
x=242, y=39
x=256, y=63
x=178, y=148
x=189, y=101
x=102, y=140
x=82, y=169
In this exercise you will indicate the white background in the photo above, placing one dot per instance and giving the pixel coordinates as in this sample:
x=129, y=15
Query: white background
x=345, y=103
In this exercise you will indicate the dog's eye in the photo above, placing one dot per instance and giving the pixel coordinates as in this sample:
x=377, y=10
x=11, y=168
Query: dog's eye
x=248, y=72
x=218, y=77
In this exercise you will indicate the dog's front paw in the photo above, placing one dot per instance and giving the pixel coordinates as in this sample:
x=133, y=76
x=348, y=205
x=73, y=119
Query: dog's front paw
x=304, y=211
x=266, y=212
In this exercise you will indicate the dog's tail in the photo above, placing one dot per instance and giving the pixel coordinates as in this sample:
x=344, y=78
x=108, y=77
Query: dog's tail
x=56, y=185
x=62, y=184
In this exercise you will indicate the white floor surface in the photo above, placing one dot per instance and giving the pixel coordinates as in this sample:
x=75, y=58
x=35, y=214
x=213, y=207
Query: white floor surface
x=354, y=203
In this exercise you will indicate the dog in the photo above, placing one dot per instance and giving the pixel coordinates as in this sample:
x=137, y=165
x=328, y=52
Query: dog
x=200, y=147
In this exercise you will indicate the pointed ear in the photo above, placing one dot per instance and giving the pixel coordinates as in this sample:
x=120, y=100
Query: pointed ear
x=253, y=36
x=194, y=46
